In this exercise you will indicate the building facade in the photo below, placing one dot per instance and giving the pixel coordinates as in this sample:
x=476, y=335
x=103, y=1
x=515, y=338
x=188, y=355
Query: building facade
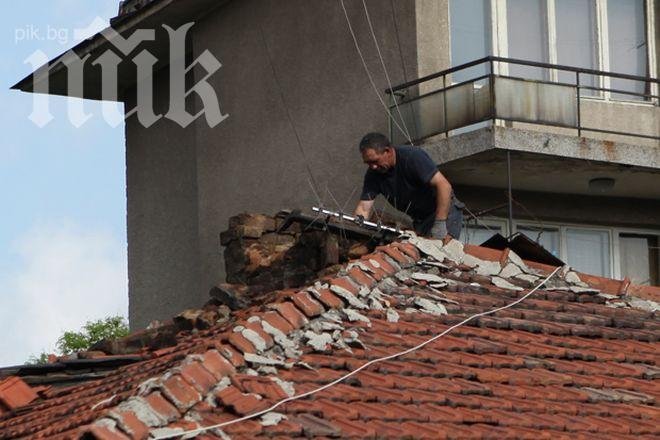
x=296, y=98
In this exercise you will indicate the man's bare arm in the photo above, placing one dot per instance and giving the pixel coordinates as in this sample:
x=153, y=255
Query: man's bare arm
x=364, y=208
x=443, y=195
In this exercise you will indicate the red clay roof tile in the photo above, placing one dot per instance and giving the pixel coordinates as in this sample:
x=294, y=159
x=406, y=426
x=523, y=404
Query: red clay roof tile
x=291, y=314
x=309, y=306
x=15, y=393
x=558, y=365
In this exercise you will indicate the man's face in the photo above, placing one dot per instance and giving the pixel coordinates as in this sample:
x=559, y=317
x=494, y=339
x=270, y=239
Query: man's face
x=379, y=162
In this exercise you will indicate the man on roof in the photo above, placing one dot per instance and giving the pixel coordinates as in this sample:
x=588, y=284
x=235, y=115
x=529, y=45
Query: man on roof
x=410, y=181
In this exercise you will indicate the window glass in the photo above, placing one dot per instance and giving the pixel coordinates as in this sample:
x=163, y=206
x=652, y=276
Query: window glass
x=639, y=258
x=628, y=46
x=470, y=36
x=548, y=238
x=527, y=36
x=477, y=234
x=576, y=39
x=588, y=251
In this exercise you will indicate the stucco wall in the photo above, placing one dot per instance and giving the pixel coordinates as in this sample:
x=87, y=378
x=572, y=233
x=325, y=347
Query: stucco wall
x=163, y=257
x=252, y=162
x=183, y=185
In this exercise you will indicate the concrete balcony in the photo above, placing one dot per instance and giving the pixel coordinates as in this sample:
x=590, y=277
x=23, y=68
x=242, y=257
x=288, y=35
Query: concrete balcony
x=563, y=134
x=588, y=107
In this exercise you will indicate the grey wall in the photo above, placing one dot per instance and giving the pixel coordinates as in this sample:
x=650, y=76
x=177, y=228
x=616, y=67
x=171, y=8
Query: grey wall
x=161, y=178
x=252, y=162
x=183, y=185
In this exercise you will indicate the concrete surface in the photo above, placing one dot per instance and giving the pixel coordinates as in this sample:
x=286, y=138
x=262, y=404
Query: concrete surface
x=534, y=141
x=564, y=208
x=547, y=173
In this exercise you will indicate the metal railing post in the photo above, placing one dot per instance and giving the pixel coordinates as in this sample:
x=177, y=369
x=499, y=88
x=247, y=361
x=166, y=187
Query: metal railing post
x=510, y=191
x=577, y=95
x=491, y=79
x=444, y=104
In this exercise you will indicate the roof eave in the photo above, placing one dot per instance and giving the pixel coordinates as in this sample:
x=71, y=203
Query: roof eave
x=151, y=17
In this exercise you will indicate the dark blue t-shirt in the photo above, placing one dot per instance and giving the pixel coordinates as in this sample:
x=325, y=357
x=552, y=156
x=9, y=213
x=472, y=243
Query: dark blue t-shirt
x=406, y=185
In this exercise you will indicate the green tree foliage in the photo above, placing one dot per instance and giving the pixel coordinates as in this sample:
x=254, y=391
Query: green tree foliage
x=42, y=359
x=114, y=327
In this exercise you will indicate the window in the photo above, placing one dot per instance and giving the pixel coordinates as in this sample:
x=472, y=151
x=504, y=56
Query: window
x=470, y=36
x=589, y=251
x=639, y=258
x=479, y=233
x=627, y=43
x=527, y=36
x=575, y=22
x=609, y=35
x=546, y=237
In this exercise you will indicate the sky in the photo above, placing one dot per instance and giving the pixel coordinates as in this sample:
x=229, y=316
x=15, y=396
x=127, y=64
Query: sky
x=62, y=193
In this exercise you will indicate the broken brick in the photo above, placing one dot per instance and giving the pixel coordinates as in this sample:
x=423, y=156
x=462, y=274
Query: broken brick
x=360, y=277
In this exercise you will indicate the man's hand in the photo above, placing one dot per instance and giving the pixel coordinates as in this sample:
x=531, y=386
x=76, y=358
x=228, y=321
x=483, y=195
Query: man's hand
x=364, y=209
x=439, y=229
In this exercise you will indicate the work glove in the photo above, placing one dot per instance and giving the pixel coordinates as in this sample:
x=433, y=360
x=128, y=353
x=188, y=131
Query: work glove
x=439, y=229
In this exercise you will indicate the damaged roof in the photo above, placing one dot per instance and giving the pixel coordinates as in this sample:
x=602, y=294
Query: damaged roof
x=577, y=358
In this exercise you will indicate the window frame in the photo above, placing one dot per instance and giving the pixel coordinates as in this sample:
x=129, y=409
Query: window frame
x=499, y=45
x=564, y=243
x=614, y=233
x=497, y=224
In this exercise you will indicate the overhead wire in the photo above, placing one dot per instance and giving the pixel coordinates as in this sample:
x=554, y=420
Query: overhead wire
x=403, y=130
x=286, y=109
x=382, y=63
x=368, y=72
x=403, y=63
x=360, y=368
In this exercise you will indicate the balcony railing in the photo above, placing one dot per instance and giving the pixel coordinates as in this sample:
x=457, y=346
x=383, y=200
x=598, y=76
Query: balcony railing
x=533, y=93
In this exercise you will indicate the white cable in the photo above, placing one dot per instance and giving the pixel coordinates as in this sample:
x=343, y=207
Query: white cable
x=362, y=367
x=366, y=69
